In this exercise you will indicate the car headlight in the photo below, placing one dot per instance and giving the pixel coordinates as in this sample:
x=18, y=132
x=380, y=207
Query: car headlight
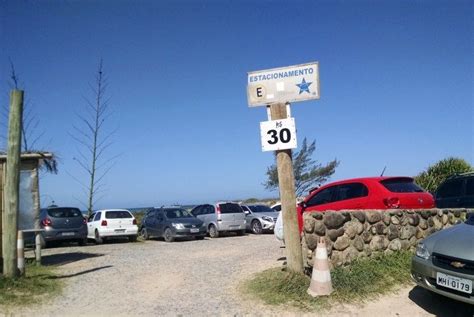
x=178, y=225
x=422, y=251
x=266, y=218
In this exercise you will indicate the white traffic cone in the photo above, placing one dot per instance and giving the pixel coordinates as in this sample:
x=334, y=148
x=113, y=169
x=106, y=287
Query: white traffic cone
x=321, y=284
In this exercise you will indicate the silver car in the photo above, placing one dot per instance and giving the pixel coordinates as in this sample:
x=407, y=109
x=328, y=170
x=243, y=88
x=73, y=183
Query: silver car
x=221, y=217
x=260, y=218
x=444, y=262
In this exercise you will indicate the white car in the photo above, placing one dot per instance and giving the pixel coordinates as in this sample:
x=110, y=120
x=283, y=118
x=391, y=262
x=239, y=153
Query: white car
x=111, y=223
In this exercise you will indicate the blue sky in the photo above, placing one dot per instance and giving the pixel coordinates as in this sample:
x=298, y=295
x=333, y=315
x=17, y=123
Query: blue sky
x=396, y=88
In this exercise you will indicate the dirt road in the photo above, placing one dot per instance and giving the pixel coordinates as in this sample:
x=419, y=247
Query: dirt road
x=193, y=278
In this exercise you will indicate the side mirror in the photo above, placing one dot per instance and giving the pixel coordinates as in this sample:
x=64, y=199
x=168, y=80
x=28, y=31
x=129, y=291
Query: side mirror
x=303, y=205
x=246, y=212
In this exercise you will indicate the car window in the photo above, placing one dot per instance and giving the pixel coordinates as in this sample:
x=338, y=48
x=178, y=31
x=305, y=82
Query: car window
x=97, y=216
x=351, y=191
x=260, y=208
x=323, y=197
x=401, y=185
x=64, y=212
x=91, y=217
x=196, y=210
x=470, y=186
x=150, y=214
x=208, y=210
x=230, y=208
x=277, y=208
x=451, y=188
x=117, y=214
x=245, y=208
x=177, y=213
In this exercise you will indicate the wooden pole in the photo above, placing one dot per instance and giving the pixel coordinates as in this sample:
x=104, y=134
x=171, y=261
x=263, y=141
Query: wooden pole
x=12, y=185
x=286, y=181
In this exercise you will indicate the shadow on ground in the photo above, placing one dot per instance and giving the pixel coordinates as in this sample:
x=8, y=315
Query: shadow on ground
x=439, y=305
x=81, y=273
x=65, y=258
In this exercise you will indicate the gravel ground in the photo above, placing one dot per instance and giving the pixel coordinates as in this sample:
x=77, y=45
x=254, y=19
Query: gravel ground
x=158, y=278
x=193, y=278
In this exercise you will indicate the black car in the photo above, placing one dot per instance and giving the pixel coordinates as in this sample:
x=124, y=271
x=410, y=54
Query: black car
x=63, y=224
x=456, y=192
x=171, y=223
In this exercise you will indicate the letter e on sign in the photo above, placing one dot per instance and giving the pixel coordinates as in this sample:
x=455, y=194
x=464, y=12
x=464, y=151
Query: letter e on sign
x=278, y=135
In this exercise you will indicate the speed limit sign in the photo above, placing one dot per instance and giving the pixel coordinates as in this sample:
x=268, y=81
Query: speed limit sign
x=278, y=134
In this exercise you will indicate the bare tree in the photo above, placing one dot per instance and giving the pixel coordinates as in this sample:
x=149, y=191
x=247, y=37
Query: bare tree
x=93, y=140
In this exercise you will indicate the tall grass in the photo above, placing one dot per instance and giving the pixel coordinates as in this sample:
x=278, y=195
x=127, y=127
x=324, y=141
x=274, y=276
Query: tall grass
x=363, y=279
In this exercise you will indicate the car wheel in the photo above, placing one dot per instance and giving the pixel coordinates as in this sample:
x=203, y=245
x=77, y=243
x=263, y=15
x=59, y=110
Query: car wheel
x=168, y=235
x=213, y=233
x=82, y=242
x=98, y=239
x=256, y=227
x=144, y=234
x=240, y=232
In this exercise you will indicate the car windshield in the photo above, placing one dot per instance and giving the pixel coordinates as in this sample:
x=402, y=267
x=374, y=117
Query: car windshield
x=177, y=213
x=117, y=214
x=64, y=212
x=401, y=185
x=261, y=208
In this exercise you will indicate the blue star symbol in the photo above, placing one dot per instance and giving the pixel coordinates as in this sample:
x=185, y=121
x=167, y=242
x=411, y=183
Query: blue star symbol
x=304, y=86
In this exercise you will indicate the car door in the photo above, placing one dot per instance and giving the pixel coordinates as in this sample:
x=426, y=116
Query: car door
x=149, y=222
x=90, y=226
x=350, y=196
x=94, y=224
x=160, y=222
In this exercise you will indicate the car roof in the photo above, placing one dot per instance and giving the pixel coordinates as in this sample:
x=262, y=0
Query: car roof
x=103, y=210
x=363, y=179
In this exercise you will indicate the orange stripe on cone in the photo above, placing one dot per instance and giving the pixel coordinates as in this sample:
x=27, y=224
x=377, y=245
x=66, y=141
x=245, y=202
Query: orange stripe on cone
x=321, y=284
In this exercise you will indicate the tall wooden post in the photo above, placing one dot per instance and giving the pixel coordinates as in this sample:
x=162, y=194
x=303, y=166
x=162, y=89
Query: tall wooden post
x=12, y=185
x=286, y=182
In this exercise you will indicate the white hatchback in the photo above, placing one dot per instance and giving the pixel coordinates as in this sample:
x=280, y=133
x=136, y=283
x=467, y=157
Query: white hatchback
x=111, y=223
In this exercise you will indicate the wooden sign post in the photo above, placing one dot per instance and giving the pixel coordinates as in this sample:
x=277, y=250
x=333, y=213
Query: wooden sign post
x=275, y=88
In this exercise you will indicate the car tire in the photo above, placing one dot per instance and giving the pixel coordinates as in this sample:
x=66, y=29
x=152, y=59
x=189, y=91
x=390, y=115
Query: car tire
x=168, y=235
x=132, y=238
x=82, y=242
x=144, y=234
x=241, y=232
x=97, y=238
x=213, y=233
x=256, y=227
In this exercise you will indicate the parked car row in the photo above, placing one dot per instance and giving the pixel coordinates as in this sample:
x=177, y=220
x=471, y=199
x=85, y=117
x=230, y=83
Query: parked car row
x=169, y=223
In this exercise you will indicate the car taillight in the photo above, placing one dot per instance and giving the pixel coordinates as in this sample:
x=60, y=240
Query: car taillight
x=392, y=202
x=103, y=223
x=218, y=209
x=46, y=222
x=134, y=221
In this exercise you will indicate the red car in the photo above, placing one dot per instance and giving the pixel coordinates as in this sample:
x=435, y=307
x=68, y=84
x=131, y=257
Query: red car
x=367, y=193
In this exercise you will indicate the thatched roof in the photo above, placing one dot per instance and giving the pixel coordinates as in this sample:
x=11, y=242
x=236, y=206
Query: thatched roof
x=45, y=160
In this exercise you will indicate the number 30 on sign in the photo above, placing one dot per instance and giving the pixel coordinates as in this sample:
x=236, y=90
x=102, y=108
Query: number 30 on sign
x=278, y=134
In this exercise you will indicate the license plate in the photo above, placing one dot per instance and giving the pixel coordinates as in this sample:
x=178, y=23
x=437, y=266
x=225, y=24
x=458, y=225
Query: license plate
x=67, y=233
x=119, y=230
x=452, y=282
x=194, y=230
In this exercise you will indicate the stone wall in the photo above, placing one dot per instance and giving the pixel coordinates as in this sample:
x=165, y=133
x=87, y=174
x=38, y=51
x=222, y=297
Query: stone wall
x=351, y=234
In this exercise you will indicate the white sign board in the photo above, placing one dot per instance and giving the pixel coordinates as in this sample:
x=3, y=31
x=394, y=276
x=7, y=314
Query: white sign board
x=285, y=84
x=278, y=134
